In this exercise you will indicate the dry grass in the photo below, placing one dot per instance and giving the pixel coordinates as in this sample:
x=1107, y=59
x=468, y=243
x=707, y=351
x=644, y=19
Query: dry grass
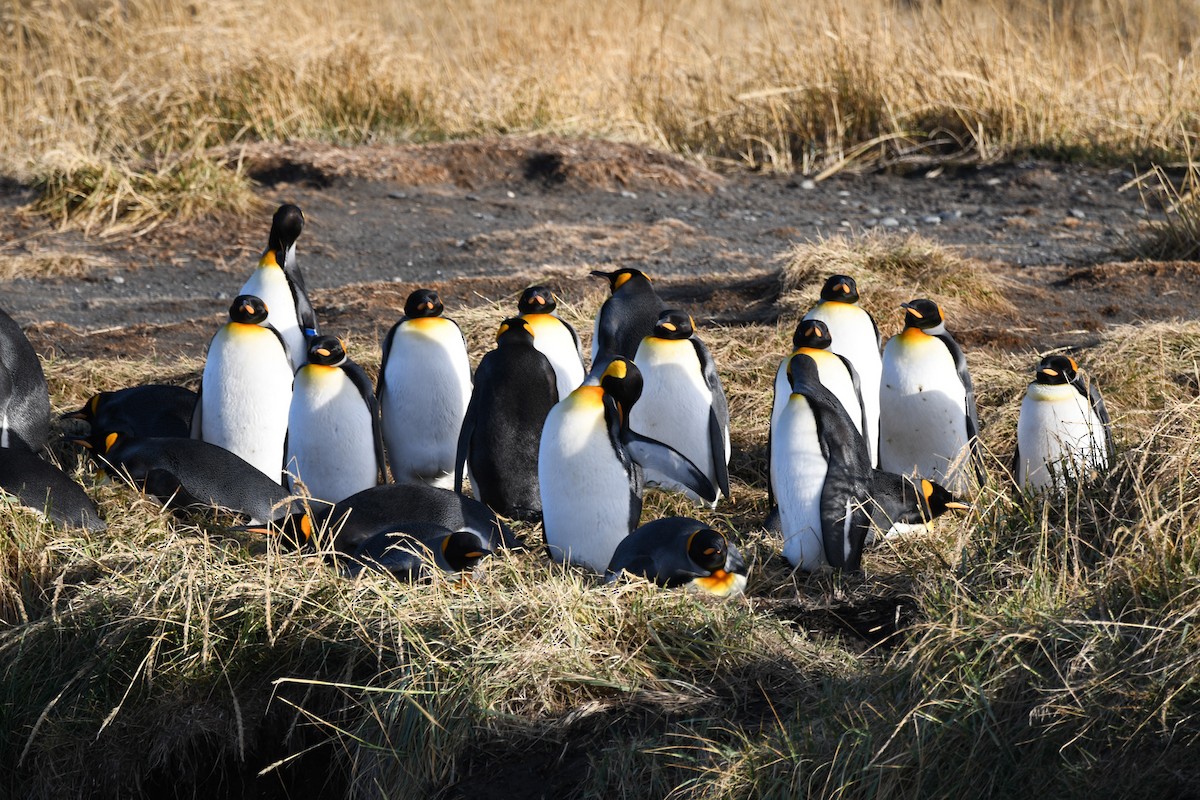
x=115, y=111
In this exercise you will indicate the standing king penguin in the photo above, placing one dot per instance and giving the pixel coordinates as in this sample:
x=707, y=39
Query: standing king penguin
x=627, y=316
x=837, y=373
x=821, y=473
x=334, y=446
x=1063, y=432
x=24, y=395
x=554, y=337
x=279, y=284
x=591, y=468
x=854, y=335
x=424, y=388
x=931, y=426
x=515, y=388
x=246, y=389
x=683, y=404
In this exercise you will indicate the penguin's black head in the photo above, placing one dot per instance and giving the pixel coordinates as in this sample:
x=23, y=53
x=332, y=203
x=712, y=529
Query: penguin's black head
x=88, y=412
x=462, y=550
x=1056, y=370
x=286, y=226
x=623, y=381
x=514, y=329
x=423, y=303
x=673, y=324
x=326, y=351
x=812, y=333
x=620, y=277
x=802, y=373
x=537, y=300
x=707, y=549
x=938, y=499
x=922, y=314
x=840, y=289
x=248, y=309
x=99, y=443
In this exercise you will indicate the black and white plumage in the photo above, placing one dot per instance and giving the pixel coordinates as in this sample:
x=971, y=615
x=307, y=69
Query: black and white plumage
x=280, y=284
x=1063, y=432
x=410, y=551
x=150, y=410
x=680, y=551
x=901, y=504
x=24, y=395
x=625, y=318
x=44, y=488
x=553, y=337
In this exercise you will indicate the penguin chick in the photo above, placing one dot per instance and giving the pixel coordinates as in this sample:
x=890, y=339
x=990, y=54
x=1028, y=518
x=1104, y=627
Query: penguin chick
x=46, y=489
x=627, y=316
x=149, y=410
x=553, y=337
x=1063, y=431
x=680, y=551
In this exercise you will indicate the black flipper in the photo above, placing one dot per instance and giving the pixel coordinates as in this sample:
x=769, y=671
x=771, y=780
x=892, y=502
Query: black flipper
x=666, y=467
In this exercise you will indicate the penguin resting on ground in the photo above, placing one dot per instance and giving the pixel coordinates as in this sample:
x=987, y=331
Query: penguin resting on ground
x=46, y=489
x=150, y=410
x=680, y=551
x=900, y=504
x=24, y=395
x=1063, y=432
x=408, y=552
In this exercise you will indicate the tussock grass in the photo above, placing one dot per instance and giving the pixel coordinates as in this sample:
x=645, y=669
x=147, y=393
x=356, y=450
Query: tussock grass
x=1177, y=236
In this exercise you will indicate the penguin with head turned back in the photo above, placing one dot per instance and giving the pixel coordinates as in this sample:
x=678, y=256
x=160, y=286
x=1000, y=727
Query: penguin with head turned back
x=931, y=426
x=591, y=468
x=627, y=316
x=854, y=335
x=24, y=395
x=409, y=551
x=683, y=403
x=900, y=504
x=515, y=388
x=279, y=284
x=680, y=551
x=1063, y=431
x=424, y=387
x=821, y=473
x=246, y=389
x=334, y=447
x=554, y=337
x=152, y=409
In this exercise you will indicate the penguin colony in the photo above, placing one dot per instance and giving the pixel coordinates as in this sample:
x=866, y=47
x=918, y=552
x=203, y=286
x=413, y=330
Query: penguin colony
x=290, y=434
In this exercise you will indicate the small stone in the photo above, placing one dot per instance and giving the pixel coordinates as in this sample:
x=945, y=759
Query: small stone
x=662, y=195
x=628, y=194
x=890, y=222
x=398, y=195
x=1077, y=213
x=994, y=181
x=843, y=193
x=510, y=194
x=461, y=243
x=1141, y=212
x=808, y=183
x=473, y=197
x=117, y=279
x=875, y=212
x=221, y=296
x=932, y=219
x=845, y=223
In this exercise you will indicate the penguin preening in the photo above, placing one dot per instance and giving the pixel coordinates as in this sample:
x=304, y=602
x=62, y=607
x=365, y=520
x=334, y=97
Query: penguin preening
x=625, y=318
x=246, y=389
x=150, y=410
x=931, y=424
x=591, y=468
x=46, y=489
x=553, y=337
x=408, y=552
x=424, y=388
x=683, y=403
x=279, y=283
x=855, y=336
x=1063, y=432
x=334, y=446
x=515, y=388
x=24, y=395
x=821, y=474
x=680, y=551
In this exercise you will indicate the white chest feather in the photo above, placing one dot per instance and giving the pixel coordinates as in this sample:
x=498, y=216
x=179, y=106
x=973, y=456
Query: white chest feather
x=554, y=340
x=854, y=336
x=269, y=284
x=331, y=448
x=834, y=377
x=1059, y=437
x=798, y=470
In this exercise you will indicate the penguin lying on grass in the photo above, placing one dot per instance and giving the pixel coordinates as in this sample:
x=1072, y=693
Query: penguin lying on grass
x=149, y=410
x=411, y=552
x=44, y=488
x=680, y=551
x=553, y=337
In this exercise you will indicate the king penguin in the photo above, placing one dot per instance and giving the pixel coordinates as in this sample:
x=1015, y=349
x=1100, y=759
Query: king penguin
x=515, y=388
x=683, y=403
x=931, y=425
x=680, y=551
x=24, y=395
x=45, y=489
x=334, y=446
x=591, y=468
x=246, y=389
x=821, y=473
x=424, y=388
x=1063, y=432
x=854, y=335
x=152, y=409
x=900, y=504
x=554, y=337
x=279, y=283
x=627, y=316
x=407, y=552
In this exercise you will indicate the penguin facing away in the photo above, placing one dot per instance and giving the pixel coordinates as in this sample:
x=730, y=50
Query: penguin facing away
x=591, y=468
x=931, y=426
x=334, y=446
x=680, y=551
x=279, y=283
x=515, y=388
x=683, y=403
x=246, y=389
x=1063, y=432
x=554, y=337
x=821, y=472
x=46, y=489
x=424, y=387
x=151, y=410
x=625, y=318
x=855, y=336
x=24, y=395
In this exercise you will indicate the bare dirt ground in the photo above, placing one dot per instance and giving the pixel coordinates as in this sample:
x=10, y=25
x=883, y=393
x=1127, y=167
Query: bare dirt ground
x=478, y=220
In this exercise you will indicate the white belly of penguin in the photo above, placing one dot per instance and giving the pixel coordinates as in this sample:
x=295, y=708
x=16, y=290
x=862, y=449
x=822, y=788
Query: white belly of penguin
x=270, y=285
x=330, y=442
x=834, y=377
x=924, y=429
x=798, y=472
x=247, y=389
x=428, y=386
x=1059, y=437
x=853, y=336
x=676, y=402
x=554, y=341
x=584, y=486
